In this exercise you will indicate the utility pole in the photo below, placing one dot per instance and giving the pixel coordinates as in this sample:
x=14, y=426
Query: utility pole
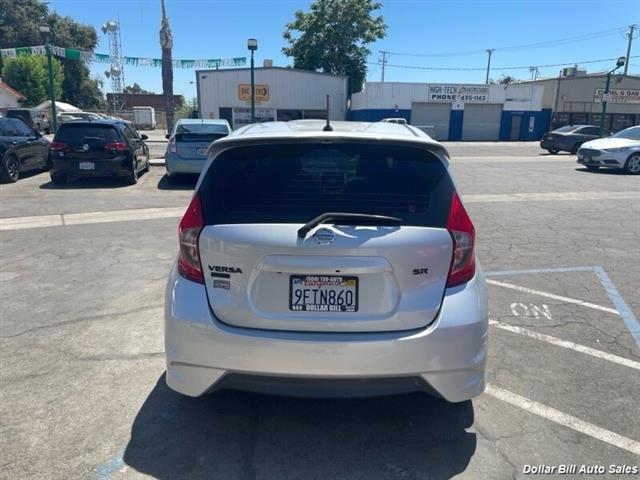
x=52, y=89
x=384, y=62
x=489, y=51
x=630, y=35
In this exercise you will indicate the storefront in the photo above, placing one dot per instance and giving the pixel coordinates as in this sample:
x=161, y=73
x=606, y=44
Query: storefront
x=280, y=94
x=457, y=111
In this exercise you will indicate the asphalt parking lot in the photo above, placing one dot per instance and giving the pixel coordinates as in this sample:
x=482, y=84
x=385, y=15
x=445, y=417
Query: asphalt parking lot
x=82, y=278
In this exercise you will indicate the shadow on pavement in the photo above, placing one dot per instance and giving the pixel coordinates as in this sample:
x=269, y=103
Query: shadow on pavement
x=181, y=182
x=240, y=435
x=606, y=171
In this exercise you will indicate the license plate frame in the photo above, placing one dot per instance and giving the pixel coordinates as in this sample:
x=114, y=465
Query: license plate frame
x=86, y=165
x=346, y=283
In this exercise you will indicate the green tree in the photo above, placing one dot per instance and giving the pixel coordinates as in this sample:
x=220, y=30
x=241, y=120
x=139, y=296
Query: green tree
x=29, y=75
x=333, y=38
x=19, y=27
x=135, y=88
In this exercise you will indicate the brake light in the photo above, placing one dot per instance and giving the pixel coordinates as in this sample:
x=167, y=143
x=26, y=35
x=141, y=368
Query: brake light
x=116, y=146
x=463, y=233
x=59, y=147
x=171, y=146
x=189, y=230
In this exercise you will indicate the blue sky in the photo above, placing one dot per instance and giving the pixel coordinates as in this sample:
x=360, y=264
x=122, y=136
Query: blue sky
x=220, y=28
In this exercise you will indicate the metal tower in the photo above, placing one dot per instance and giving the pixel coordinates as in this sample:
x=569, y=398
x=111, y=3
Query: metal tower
x=116, y=71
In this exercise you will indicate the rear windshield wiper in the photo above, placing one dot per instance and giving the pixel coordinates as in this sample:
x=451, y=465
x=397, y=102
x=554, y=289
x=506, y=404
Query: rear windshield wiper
x=356, y=218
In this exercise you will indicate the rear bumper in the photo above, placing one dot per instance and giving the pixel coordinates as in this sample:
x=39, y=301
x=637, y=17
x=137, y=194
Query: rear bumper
x=176, y=164
x=117, y=167
x=447, y=358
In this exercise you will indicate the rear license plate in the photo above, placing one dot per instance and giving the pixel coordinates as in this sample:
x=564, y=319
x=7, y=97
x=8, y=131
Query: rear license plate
x=201, y=152
x=323, y=293
x=87, y=166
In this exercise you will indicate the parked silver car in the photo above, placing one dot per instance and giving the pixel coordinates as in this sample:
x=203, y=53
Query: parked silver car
x=327, y=263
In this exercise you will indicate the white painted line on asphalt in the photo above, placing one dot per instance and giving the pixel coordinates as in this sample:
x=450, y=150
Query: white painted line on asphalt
x=511, y=159
x=122, y=215
x=565, y=420
x=18, y=223
x=566, y=344
x=531, y=291
x=551, y=196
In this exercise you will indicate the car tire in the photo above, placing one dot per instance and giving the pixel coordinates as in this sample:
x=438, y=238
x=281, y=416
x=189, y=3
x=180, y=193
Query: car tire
x=553, y=151
x=632, y=165
x=132, y=178
x=10, y=171
x=575, y=148
x=58, y=178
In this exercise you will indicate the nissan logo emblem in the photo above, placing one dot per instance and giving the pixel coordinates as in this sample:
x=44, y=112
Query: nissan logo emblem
x=324, y=236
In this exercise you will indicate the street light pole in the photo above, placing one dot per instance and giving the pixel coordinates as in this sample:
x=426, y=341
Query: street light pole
x=52, y=89
x=252, y=45
x=621, y=61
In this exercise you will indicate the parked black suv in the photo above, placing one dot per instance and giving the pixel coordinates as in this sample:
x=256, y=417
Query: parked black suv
x=21, y=149
x=98, y=148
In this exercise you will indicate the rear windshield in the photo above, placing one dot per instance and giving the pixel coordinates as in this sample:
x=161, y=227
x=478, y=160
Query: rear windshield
x=294, y=183
x=200, y=131
x=75, y=132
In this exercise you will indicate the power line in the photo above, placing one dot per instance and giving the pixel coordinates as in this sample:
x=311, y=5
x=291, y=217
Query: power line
x=417, y=67
x=548, y=43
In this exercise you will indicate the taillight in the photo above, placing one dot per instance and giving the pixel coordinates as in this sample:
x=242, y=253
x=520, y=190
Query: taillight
x=116, y=146
x=171, y=146
x=189, y=230
x=59, y=147
x=463, y=263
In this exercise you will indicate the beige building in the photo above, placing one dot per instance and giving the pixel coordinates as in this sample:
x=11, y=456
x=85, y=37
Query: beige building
x=575, y=97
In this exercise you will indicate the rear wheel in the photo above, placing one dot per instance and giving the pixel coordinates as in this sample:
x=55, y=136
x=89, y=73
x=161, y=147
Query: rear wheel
x=132, y=178
x=633, y=164
x=11, y=169
x=553, y=151
x=58, y=178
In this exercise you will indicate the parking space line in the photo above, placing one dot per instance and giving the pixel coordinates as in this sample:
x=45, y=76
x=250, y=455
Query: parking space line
x=531, y=291
x=565, y=420
x=551, y=196
x=623, y=309
x=566, y=344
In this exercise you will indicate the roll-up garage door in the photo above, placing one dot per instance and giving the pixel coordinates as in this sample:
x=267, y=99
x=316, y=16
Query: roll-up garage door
x=435, y=115
x=481, y=121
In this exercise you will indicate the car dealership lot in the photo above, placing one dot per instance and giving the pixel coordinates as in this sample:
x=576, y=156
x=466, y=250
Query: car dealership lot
x=81, y=350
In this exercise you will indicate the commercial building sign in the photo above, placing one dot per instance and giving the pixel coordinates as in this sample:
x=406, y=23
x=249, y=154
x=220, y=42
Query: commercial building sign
x=458, y=93
x=262, y=92
x=615, y=95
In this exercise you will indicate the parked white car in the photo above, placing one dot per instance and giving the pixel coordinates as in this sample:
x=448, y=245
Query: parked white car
x=621, y=150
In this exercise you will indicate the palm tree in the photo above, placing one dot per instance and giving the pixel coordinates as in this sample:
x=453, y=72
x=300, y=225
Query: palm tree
x=166, y=44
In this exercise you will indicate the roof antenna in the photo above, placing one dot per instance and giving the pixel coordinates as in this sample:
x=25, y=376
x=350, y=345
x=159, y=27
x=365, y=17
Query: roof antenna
x=327, y=127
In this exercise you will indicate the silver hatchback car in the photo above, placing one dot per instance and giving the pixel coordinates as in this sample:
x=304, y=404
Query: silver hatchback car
x=322, y=261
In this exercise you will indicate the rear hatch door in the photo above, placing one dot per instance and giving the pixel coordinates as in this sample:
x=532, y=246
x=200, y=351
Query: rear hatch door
x=342, y=276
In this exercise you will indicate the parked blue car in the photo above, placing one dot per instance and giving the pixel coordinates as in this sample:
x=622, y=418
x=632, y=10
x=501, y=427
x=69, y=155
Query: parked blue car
x=189, y=142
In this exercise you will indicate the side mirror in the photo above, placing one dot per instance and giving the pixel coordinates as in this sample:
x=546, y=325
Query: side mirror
x=144, y=137
x=167, y=136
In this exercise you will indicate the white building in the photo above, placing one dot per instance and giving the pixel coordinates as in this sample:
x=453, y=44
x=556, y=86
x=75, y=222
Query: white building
x=458, y=111
x=281, y=94
x=9, y=98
